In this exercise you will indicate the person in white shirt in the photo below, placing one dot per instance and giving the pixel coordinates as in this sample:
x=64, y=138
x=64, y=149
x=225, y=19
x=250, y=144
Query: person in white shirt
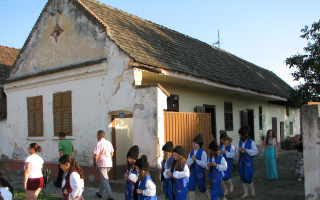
x=228, y=152
x=146, y=188
x=72, y=183
x=33, y=177
x=217, y=166
x=246, y=150
x=197, y=161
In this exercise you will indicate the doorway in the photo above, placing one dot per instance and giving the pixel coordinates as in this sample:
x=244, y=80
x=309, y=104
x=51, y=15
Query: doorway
x=122, y=140
x=212, y=110
x=247, y=119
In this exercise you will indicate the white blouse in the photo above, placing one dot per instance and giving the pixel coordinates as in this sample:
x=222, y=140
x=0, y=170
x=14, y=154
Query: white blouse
x=253, y=151
x=229, y=154
x=220, y=167
x=202, y=162
x=77, y=185
x=177, y=174
x=150, y=189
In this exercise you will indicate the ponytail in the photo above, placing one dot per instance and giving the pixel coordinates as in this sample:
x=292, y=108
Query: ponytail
x=36, y=147
x=73, y=165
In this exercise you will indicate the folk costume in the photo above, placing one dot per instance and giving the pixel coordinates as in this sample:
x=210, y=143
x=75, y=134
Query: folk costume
x=146, y=185
x=72, y=186
x=197, y=168
x=246, y=161
x=180, y=177
x=216, y=173
x=228, y=155
x=166, y=164
x=131, y=192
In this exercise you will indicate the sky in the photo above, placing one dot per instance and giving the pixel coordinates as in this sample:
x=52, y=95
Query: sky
x=263, y=32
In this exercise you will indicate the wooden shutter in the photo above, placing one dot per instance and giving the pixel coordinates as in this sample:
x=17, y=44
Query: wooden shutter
x=35, y=116
x=62, y=111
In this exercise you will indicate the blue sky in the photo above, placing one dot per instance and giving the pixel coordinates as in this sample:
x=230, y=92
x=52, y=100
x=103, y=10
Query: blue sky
x=264, y=32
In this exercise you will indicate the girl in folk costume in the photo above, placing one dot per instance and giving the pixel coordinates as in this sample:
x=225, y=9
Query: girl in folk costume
x=146, y=189
x=72, y=184
x=270, y=153
x=217, y=166
x=197, y=161
x=165, y=165
x=131, y=175
x=180, y=173
x=228, y=152
x=246, y=150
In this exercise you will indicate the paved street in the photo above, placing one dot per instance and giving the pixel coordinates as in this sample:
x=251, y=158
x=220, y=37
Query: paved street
x=286, y=188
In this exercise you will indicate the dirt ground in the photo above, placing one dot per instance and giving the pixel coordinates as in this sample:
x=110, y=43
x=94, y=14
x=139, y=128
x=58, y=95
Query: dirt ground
x=286, y=187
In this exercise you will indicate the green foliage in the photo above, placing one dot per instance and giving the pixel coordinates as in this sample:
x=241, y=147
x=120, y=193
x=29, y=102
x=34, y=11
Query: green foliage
x=20, y=194
x=307, y=67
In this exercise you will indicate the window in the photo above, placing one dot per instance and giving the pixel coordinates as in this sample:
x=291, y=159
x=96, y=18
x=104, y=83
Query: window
x=62, y=113
x=260, y=118
x=228, y=116
x=291, y=128
x=173, y=103
x=3, y=105
x=287, y=111
x=35, y=116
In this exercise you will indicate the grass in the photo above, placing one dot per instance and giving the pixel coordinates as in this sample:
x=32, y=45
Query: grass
x=20, y=194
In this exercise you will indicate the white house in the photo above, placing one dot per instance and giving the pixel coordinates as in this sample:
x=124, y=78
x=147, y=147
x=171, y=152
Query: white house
x=87, y=66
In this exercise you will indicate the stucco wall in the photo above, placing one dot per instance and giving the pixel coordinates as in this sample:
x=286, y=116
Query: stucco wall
x=189, y=98
x=311, y=150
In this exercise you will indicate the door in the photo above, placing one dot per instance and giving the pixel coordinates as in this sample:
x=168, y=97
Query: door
x=282, y=134
x=275, y=126
x=212, y=110
x=247, y=119
x=122, y=139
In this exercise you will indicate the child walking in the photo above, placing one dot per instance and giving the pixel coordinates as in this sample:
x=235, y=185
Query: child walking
x=217, y=166
x=131, y=175
x=72, y=184
x=165, y=165
x=180, y=173
x=228, y=152
x=300, y=166
x=146, y=189
x=197, y=161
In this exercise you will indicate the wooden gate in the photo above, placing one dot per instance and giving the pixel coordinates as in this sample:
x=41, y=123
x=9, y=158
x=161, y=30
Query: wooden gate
x=182, y=127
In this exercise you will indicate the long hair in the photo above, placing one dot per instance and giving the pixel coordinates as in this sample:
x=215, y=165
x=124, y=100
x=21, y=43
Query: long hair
x=215, y=154
x=166, y=157
x=35, y=147
x=142, y=174
x=4, y=182
x=178, y=164
x=73, y=165
x=267, y=136
x=131, y=166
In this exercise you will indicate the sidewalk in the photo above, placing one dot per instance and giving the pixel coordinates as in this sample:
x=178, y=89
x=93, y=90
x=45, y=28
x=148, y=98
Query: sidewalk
x=285, y=188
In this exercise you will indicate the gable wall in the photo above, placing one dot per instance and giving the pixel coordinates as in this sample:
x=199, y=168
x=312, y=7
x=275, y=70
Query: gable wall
x=81, y=41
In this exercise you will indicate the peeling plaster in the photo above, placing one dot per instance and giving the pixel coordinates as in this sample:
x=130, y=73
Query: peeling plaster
x=19, y=154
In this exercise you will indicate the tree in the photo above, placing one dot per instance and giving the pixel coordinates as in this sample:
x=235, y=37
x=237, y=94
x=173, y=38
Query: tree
x=307, y=67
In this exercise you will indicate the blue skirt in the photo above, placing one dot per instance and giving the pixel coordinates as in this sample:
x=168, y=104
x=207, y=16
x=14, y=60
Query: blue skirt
x=270, y=163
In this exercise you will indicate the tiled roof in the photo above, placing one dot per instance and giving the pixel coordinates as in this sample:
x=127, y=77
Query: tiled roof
x=157, y=46
x=154, y=45
x=7, y=57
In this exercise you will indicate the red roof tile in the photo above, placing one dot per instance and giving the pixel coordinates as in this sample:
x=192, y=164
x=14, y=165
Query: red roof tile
x=8, y=55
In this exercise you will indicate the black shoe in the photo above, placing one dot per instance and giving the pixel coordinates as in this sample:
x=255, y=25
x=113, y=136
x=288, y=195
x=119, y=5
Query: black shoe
x=98, y=194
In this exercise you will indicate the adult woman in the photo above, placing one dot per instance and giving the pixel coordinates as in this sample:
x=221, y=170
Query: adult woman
x=33, y=178
x=228, y=152
x=72, y=184
x=270, y=153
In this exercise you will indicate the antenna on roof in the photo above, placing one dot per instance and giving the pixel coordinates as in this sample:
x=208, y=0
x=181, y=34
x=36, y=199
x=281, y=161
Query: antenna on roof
x=218, y=42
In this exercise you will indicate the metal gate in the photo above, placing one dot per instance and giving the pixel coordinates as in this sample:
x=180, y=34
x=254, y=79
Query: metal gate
x=182, y=127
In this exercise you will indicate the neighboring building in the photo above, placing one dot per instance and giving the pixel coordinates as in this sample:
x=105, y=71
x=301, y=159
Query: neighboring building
x=7, y=57
x=86, y=66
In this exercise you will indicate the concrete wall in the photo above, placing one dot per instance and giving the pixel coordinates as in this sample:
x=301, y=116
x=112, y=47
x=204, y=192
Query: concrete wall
x=311, y=150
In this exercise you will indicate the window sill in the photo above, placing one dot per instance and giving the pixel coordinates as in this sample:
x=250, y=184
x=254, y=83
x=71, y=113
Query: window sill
x=36, y=138
x=67, y=137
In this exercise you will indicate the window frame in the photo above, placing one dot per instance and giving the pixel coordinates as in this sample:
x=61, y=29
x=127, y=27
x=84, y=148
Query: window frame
x=62, y=113
x=228, y=116
x=35, y=116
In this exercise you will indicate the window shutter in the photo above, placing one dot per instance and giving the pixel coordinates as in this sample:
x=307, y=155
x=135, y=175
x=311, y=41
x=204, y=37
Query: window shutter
x=35, y=116
x=62, y=109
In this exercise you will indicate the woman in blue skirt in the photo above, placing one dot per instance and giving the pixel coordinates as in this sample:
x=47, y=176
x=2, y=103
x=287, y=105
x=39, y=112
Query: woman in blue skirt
x=270, y=153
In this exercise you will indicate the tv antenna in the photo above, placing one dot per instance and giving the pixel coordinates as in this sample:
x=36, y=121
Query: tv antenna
x=218, y=42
